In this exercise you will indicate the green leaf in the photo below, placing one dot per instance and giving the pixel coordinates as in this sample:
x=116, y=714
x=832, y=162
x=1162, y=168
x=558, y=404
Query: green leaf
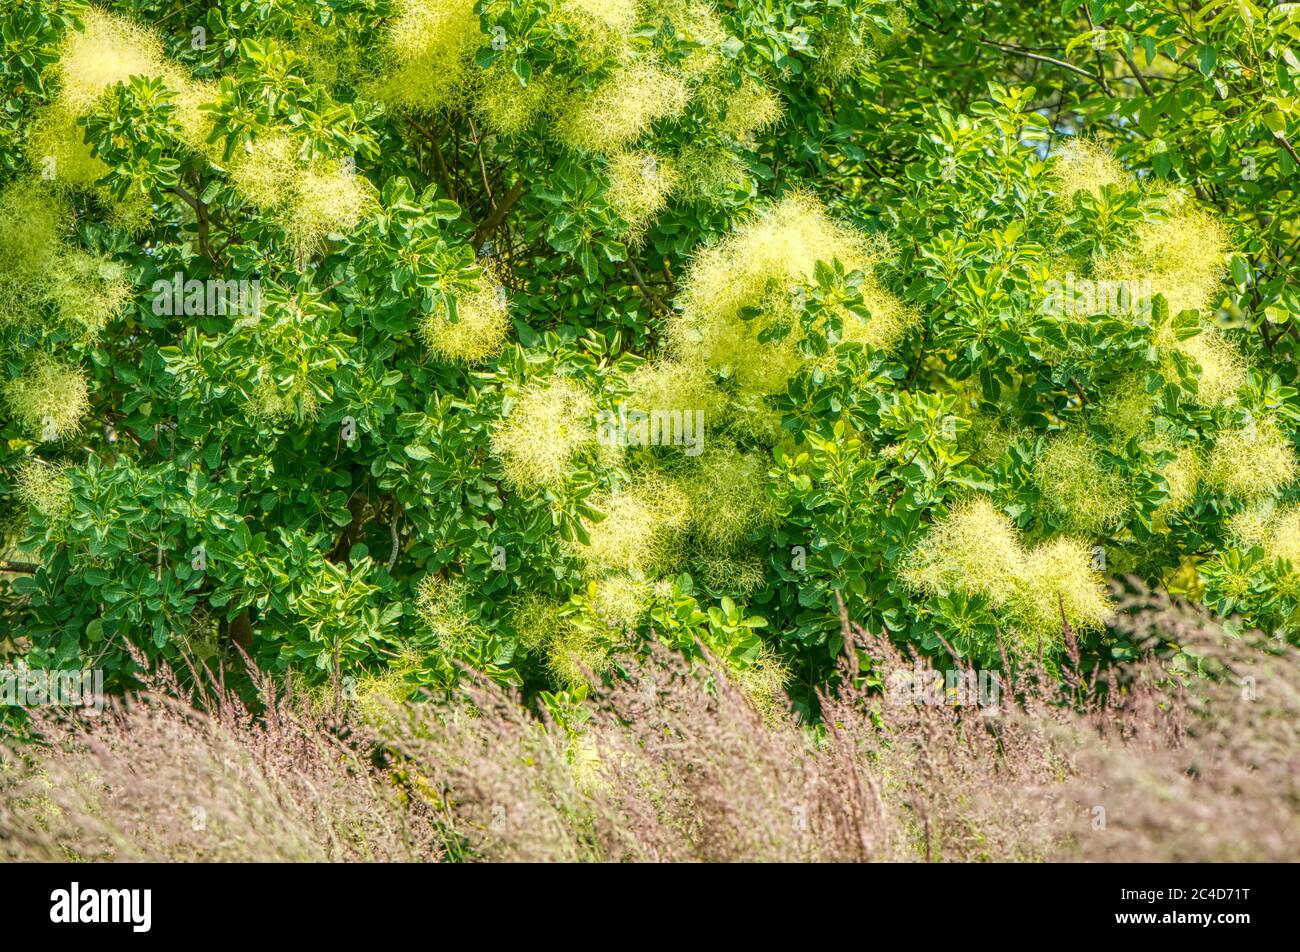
x=1206, y=58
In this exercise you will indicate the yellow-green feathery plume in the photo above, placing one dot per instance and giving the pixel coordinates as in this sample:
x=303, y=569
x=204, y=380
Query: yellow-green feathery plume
x=430, y=46
x=697, y=23
x=750, y=108
x=545, y=627
x=1085, y=165
x=1126, y=409
x=551, y=420
x=110, y=49
x=675, y=385
x=621, y=109
x=1222, y=368
x=32, y=221
x=538, y=621
x=50, y=399
x=640, y=529
x=310, y=201
x=1253, y=462
x=1088, y=496
x=763, y=264
x=88, y=290
x=763, y=680
x=709, y=172
x=639, y=185
x=330, y=197
x=974, y=548
x=1275, y=529
x=728, y=495
x=482, y=323
x=263, y=171
x=1057, y=580
x=1183, y=475
x=46, y=488
x=1182, y=255
x=508, y=107
x=440, y=603
x=619, y=601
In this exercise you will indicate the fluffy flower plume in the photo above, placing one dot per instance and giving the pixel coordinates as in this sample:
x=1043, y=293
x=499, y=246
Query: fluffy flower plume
x=507, y=106
x=39, y=265
x=1182, y=256
x=750, y=108
x=639, y=185
x=669, y=384
x=309, y=200
x=1223, y=369
x=482, y=322
x=620, y=601
x=1087, y=496
x=1084, y=165
x=1057, y=578
x=976, y=550
x=640, y=528
x=46, y=488
x=109, y=50
x=1253, y=462
x=49, y=399
x=430, y=44
x=621, y=109
x=760, y=265
x=1183, y=475
x=728, y=495
x=441, y=605
x=1276, y=530
x=548, y=424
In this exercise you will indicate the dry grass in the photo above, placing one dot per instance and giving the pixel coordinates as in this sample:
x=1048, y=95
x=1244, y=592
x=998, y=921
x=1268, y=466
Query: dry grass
x=1150, y=761
x=170, y=778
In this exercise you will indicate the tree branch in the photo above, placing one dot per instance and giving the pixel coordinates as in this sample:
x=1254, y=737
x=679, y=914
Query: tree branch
x=1286, y=144
x=645, y=288
x=1019, y=51
x=201, y=214
x=1142, y=80
x=498, y=213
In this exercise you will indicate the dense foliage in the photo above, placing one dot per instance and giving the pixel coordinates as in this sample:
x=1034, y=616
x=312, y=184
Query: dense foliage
x=385, y=338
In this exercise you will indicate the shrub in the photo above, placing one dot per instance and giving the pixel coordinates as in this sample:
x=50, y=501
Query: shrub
x=636, y=322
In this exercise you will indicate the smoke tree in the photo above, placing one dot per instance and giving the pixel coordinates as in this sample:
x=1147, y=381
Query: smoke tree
x=384, y=339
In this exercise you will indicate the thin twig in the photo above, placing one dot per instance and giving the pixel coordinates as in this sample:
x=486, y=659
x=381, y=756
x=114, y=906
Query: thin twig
x=645, y=288
x=1008, y=48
